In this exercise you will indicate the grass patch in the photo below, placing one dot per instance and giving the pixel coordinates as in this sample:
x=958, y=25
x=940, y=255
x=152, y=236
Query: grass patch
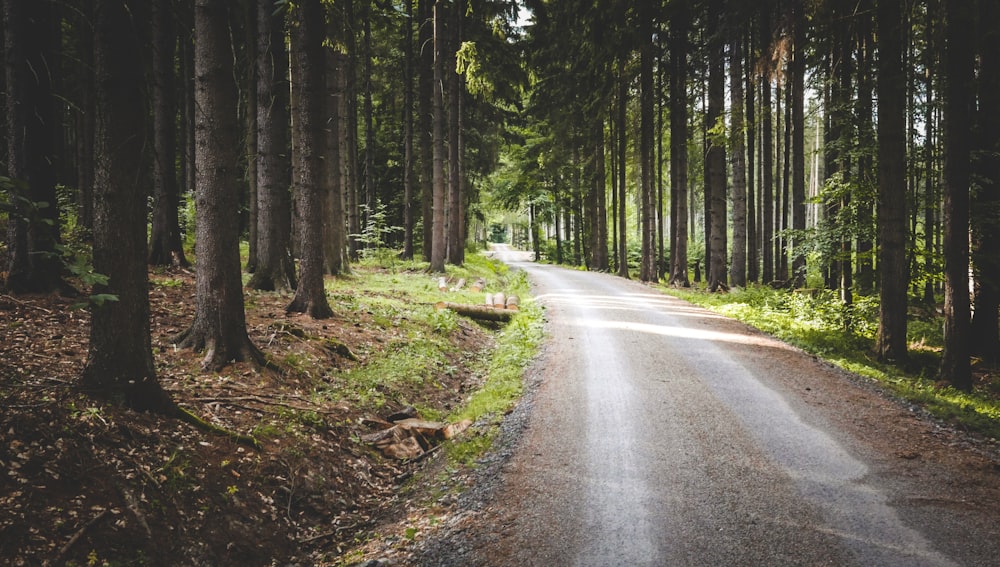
x=820, y=324
x=516, y=347
x=418, y=351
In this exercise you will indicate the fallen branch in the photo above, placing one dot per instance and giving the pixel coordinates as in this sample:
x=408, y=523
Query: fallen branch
x=481, y=312
x=25, y=303
x=332, y=533
x=76, y=537
x=199, y=423
x=231, y=401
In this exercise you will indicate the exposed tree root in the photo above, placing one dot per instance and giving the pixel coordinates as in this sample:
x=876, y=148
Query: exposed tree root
x=188, y=417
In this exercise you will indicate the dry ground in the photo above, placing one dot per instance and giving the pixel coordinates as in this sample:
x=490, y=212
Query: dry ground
x=86, y=483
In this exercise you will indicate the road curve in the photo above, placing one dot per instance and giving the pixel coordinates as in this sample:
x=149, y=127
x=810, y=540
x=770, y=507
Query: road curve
x=662, y=434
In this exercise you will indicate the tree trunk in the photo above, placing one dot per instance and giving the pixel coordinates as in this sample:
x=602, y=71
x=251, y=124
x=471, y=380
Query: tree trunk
x=767, y=158
x=249, y=87
x=797, y=125
x=275, y=268
x=891, y=341
x=612, y=145
x=86, y=125
x=930, y=177
x=662, y=263
x=352, y=188
x=738, y=269
x=599, y=248
x=865, y=280
x=308, y=86
x=425, y=122
x=33, y=225
x=336, y=261
x=622, y=152
x=165, y=237
x=120, y=357
x=753, y=256
x=959, y=93
x=409, y=218
x=678, y=145
x=647, y=271
x=782, y=206
x=187, y=86
x=219, y=325
x=986, y=218
x=368, y=206
x=716, y=156
x=439, y=242
x=455, y=236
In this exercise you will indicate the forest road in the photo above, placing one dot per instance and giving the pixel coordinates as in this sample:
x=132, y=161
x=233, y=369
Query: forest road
x=662, y=434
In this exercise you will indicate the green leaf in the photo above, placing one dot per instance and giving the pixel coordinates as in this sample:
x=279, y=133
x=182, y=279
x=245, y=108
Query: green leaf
x=98, y=299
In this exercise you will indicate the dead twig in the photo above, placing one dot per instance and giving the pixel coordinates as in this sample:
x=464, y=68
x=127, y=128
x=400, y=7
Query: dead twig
x=25, y=303
x=232, y=400
x=76, y=537
x=133, y=506
x=332, y=532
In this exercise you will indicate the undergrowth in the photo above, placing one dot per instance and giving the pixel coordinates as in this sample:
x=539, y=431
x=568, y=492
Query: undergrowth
x=402, y=297
x=818, y=322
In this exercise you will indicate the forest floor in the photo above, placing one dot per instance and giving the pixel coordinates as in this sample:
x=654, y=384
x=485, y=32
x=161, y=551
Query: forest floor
x=88, y=483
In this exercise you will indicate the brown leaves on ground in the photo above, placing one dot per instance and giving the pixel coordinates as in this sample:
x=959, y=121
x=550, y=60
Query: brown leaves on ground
x=86, y=483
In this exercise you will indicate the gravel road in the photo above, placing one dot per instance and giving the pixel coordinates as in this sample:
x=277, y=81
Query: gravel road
x=661, y=434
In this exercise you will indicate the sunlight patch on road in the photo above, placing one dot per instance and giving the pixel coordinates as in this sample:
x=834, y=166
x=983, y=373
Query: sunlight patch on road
x=681, y=332
x=629, y=302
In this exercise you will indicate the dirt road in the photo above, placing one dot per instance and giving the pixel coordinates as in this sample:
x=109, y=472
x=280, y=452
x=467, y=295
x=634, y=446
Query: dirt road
x=661, y=434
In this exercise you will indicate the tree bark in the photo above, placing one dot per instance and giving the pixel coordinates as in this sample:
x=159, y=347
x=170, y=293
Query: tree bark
x=647, y=271
x=33, y=226
x=678, y=145
x=425, y=122
x=930, y=174
x=335, y=238
x=865, y=280
x=767, y=151
x=165, y=236
x=352, y=187
x=219, y=326
x=275, y=268
x=891, y=341
x=368, y=207
x=409, y=218
x=622, y=152
x=439, y=242
x=797, y=124
x=753, y=255
x=986, y=218
x=716, y=156
x=959, y=93
x=85, y=123
x=738, y=269
x=120, y=357
x=599, y=248
x=455, y=236
x=308, y=86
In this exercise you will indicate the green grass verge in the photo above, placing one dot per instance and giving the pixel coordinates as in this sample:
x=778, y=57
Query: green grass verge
x=819, y=324
x=401, y=296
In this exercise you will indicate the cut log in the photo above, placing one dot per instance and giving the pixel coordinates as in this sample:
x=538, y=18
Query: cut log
x=489, y=299
x=411, y=437
x=512, y=303
x=459, y=285
x=478, y=286
x=499, y=300
x=480, y=312
x=443, y=283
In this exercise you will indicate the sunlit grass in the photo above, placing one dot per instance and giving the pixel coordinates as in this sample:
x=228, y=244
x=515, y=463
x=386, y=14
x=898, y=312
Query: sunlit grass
x=819, y=324
x=401, y=298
